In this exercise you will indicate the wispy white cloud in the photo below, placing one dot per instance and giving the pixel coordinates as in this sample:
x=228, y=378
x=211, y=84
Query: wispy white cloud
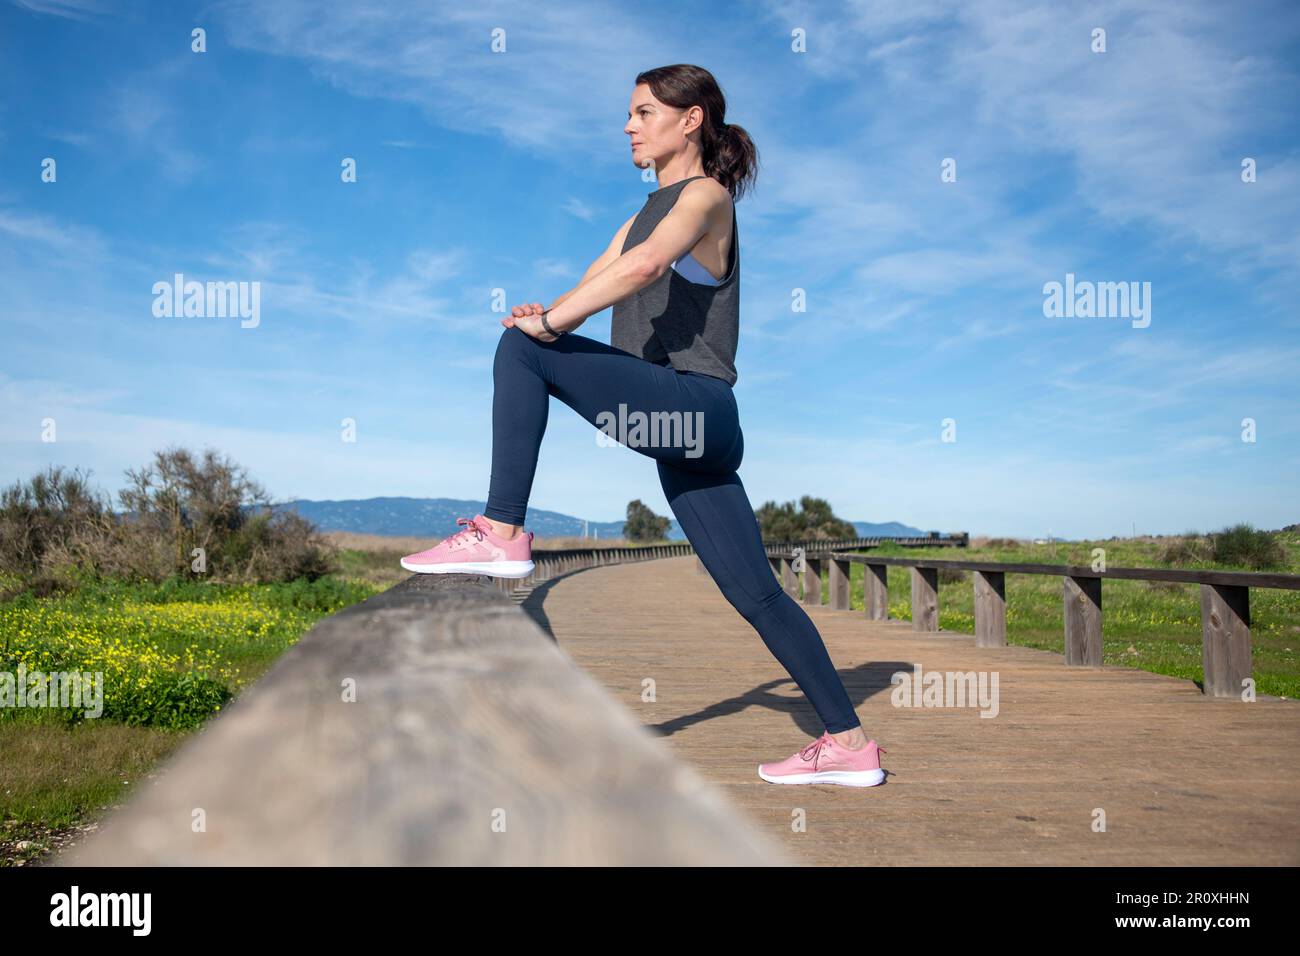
x=68, y=9
x=554, y=269
x=140, y=111
x=76, y=245
x=562, y=64
x=1154, y=129
x=579, y=209
x=1195, y=367
x=80, y=140
x=980, y=330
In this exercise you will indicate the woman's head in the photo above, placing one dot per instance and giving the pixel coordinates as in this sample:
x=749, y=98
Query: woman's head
x=678, y=109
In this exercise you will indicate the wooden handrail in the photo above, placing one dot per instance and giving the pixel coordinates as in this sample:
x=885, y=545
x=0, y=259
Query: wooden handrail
x=1259, y=579
x=1226, y=656
x=434, y=723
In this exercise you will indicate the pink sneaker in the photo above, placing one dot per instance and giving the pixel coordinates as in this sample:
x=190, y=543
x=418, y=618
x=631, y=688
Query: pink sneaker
x=825, y=761
x=476, y=549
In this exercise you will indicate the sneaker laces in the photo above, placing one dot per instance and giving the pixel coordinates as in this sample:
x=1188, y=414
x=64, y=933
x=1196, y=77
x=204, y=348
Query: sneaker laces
x=814, y=750
x=473, y=527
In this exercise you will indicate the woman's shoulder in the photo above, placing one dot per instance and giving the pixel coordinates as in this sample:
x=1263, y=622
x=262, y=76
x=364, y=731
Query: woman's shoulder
x=718, y=198
x=708, y=186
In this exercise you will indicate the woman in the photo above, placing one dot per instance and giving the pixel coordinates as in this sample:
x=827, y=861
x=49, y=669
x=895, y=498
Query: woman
x=672, y=275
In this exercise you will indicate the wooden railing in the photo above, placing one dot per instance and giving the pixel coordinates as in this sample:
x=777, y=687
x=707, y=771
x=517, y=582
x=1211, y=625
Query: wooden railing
x=1225, y=602
x=432, y=724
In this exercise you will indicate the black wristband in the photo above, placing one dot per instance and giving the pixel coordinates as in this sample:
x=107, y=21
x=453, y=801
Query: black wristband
x=547, y=326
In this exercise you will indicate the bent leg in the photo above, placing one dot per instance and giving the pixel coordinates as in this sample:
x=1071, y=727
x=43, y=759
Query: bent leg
x=715, y=513
x=692, y=420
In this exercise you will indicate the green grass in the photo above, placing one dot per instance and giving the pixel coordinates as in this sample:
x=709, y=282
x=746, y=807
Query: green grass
x=1154, y=626
x=171, y=655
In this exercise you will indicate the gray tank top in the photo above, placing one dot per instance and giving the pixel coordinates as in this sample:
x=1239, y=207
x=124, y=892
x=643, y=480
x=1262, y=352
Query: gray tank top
x=690, y=325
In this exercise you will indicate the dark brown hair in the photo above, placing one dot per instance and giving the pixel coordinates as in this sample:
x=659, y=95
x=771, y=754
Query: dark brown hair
x=730, y=156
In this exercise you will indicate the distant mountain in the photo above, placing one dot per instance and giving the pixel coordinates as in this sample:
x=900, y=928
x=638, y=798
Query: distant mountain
x=436, y=518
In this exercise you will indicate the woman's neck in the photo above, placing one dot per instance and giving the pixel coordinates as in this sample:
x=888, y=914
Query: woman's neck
x=679, y=168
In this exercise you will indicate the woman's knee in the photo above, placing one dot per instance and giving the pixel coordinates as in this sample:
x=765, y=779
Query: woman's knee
x=513, y=344
x=512, y=337
x=727, y=446
x=713, y=453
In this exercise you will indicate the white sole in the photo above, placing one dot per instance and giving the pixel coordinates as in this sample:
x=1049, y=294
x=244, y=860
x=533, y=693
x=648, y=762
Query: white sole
x=493, y=569
x=845, y=778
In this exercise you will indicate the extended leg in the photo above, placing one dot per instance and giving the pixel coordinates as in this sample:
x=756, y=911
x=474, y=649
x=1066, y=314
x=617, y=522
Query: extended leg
x=715, y=513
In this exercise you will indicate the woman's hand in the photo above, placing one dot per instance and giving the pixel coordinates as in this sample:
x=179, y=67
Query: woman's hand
x=527, y=318
x=525, y=309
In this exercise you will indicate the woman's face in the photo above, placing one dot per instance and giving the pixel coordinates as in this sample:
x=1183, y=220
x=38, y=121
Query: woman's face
x=657, y=131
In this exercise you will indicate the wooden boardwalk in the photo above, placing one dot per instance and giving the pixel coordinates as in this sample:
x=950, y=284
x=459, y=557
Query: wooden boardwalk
x=1182, y=779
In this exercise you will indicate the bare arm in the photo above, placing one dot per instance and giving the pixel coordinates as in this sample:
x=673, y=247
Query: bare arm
x=615, y=276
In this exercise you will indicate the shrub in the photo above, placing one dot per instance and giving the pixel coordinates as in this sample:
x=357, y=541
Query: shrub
x=814, y=521
x=1187, y=550
x=642, y=524
x=54, y=531
x=48, y=515
x=1242, y=545
x=1237, y=546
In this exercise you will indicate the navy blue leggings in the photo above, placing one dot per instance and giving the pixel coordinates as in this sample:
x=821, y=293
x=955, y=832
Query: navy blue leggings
x=697, y=468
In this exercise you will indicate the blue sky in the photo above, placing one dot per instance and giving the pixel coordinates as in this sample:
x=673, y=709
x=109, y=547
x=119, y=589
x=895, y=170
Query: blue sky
x=481, y=170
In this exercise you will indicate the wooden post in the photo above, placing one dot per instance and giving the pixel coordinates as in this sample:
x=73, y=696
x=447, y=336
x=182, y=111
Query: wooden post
x=789, y=582
x=840, y=571
x=925, y=599
x=1083, y=621
x=812, y=581
x=875, y=592
x=1225, y=638
x=990, y=608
